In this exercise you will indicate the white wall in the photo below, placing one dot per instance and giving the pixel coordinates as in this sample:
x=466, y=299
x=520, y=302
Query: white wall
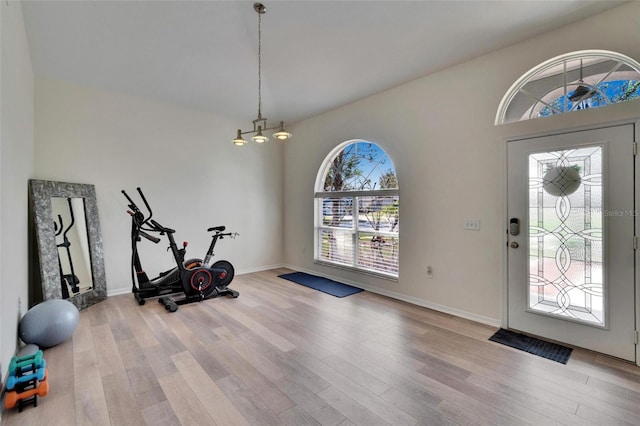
x=450, y=160
x=183, y=159
x=16, y=167
x=2, y=330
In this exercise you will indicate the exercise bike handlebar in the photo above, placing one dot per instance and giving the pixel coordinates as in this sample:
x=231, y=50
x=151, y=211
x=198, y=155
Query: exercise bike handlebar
x=219, y=232
x=228, y=234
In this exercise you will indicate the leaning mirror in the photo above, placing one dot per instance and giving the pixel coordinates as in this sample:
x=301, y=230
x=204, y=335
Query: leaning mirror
x=69, y=242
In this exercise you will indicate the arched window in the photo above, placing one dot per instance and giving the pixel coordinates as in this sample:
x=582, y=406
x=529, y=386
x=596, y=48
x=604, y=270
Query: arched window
x=357, y=217
x=570, y=82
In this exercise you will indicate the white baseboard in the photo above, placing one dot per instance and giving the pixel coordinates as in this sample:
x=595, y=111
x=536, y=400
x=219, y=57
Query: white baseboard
x=118, y=291
x=125, y=290
x=259, y=269
x=405, y=298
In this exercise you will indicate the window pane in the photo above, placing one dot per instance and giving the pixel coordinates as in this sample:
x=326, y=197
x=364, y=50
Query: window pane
x=337, y=212
x=378, y=252
x=336, y=246
x=378, y=213
x=360, y=166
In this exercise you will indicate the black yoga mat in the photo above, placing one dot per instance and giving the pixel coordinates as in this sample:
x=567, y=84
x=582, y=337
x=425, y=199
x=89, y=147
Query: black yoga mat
x=324, y=285
x=532, y=345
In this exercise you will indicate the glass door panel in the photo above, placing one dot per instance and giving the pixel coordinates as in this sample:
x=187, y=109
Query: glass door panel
x=565, y=234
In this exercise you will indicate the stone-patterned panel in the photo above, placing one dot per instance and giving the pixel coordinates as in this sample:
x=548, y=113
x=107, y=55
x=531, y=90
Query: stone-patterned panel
x=41, y=192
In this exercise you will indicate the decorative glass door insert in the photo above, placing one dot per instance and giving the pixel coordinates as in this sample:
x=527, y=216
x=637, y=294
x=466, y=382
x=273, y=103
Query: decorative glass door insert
x=566, y=256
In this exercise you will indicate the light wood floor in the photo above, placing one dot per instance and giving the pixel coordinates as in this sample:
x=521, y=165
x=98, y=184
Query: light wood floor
x=285, y=354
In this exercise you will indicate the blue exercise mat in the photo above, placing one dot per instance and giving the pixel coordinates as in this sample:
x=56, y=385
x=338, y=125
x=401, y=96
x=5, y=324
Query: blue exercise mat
x=324, y=285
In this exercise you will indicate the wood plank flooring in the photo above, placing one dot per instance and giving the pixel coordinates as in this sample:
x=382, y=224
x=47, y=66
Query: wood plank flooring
x=283, y=354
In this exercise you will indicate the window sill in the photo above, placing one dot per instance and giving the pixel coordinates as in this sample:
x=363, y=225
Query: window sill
x=387, y=277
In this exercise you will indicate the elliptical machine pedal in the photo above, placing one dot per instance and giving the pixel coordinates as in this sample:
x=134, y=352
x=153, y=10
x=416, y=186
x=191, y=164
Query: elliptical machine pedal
x=169, y=304
x=228, y=292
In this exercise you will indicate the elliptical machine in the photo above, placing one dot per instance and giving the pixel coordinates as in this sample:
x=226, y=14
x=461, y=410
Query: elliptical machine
x=194, y=278
x=70, y=279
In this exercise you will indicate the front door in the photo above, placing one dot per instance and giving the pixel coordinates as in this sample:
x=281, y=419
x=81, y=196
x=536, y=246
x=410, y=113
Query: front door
x=571, y=238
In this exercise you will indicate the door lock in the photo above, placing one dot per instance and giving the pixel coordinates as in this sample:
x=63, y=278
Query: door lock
x=514, y=226
x=514, y=244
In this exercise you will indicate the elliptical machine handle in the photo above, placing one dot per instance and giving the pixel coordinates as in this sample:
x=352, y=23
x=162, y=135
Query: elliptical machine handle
x=149, y=237
x=161, y=228
x=132, y=205
x=146, y=203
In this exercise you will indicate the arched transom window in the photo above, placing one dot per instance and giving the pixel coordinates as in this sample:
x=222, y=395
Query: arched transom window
x=358, y=210
x=571, y=82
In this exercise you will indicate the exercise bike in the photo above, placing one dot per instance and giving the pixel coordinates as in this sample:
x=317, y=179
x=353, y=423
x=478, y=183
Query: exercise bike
x=194, y=278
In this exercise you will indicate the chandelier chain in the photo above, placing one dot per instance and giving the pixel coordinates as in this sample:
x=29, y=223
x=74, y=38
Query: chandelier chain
x=259, y=66
x=581, y=71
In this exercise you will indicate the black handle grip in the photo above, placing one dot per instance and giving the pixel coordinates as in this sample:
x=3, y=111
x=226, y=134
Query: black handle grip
x=161, y=228
x=133, y=205
x=149, y=237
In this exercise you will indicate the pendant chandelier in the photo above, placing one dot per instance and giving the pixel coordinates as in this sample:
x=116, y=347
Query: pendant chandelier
x=260, y=123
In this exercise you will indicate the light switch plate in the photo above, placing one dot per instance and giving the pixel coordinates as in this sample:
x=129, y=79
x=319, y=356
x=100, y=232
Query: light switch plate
x=472, y=224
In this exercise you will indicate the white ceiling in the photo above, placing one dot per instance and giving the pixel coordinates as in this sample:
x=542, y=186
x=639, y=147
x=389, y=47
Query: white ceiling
x=316, y=55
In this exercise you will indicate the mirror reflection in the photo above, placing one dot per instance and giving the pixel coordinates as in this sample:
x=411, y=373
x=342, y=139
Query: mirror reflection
x=66, y=234
x=74, y=259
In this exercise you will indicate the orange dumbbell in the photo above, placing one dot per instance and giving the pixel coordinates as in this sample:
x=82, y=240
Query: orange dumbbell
x=12, y=398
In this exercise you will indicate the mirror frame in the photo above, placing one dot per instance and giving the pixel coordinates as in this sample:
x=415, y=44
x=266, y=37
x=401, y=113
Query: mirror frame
x=40, y=192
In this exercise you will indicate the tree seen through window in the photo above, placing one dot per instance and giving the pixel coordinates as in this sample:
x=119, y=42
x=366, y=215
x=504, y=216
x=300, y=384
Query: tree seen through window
x=610, y=92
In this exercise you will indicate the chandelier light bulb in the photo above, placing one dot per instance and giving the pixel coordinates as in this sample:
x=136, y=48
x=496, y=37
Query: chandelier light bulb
x=259, y=137
x=282, y=134
x=239, y=140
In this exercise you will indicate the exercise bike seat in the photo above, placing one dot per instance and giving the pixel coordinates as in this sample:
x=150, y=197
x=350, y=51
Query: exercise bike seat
x=217, y=228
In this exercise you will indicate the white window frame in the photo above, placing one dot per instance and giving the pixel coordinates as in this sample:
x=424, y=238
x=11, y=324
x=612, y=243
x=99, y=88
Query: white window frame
x=354, y=230
x=557, y=65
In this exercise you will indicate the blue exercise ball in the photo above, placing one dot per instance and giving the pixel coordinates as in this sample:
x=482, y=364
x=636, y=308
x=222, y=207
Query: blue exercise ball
x=49, y=323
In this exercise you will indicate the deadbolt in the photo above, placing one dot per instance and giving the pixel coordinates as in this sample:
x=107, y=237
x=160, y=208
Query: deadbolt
x=514, y=244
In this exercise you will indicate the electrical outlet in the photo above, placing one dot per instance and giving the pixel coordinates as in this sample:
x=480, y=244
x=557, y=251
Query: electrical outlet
x=429, y=271
x=472, y=224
